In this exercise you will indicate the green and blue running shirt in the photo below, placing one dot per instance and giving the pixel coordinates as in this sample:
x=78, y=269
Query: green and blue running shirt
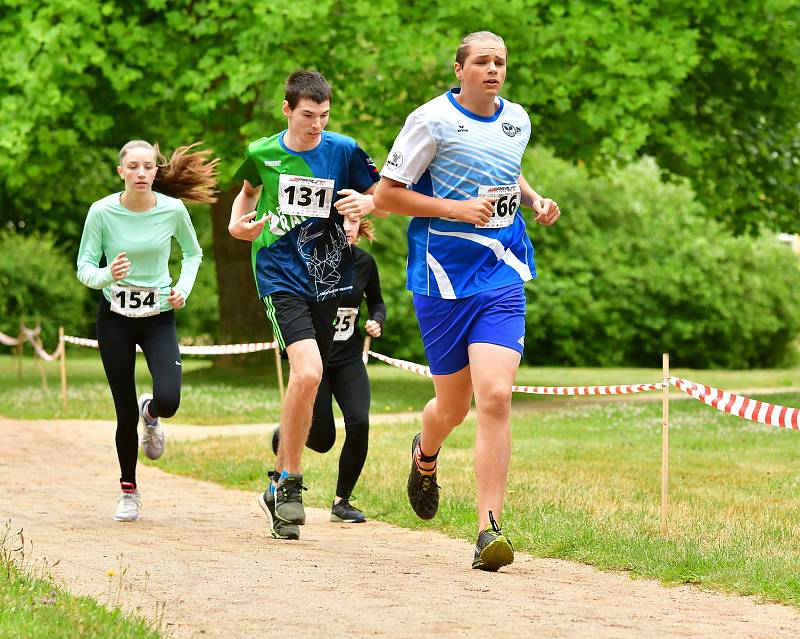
x=303, y=249
x=146, y=238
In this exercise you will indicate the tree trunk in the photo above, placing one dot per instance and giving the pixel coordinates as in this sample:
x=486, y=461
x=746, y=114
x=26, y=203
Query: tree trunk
x=241, y=313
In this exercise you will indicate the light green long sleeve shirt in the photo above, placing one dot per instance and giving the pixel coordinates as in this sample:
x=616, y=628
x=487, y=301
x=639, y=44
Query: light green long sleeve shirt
x=146, y=238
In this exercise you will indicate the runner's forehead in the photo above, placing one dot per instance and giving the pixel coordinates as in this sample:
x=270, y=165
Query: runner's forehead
x=305, y=104
x=487, y=48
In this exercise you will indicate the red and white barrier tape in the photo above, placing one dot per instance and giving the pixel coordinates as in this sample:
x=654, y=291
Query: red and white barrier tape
x=213, y=349
x=752, y=409
x=32, y=336
x=7, y=340
x=419, y=369
x=624, y=389
x=534, y=390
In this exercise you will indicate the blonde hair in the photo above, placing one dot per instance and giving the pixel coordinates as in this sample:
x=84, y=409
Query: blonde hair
x=188, y=175
x=463, y=48
x=366, y=229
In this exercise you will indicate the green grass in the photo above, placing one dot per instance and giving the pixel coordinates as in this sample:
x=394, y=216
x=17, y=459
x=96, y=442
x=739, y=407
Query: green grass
x=585, y=486
x=210, y=396
x=32, y=607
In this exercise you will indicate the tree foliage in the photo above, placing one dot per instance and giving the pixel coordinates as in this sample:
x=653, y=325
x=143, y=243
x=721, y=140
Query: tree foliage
x=710, y=89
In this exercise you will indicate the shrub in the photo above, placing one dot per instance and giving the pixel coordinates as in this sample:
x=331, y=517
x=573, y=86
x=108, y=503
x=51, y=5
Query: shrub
x=38, y=283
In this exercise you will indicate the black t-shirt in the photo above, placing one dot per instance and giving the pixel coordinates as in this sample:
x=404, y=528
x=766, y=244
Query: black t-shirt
x=348, y=340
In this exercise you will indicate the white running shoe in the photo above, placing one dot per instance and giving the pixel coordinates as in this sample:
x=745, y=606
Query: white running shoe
x=153, y=436
x=128, y=505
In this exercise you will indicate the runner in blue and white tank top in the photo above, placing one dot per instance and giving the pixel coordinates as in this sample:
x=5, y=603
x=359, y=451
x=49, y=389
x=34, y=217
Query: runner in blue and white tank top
x=455, y=168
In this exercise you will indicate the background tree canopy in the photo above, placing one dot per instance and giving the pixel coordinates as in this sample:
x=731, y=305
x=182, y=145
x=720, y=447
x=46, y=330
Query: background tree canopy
x=711, y=90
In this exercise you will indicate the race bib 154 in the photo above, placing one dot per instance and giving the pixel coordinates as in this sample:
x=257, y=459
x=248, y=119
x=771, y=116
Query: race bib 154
x=135, y=301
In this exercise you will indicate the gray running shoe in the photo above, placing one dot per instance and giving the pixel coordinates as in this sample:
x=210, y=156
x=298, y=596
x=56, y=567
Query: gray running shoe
x=289, y=500
x=422, y=489
x=153, y=436
x=346, y=513
x=493, y=549
x=278, y=529
x=129, y=503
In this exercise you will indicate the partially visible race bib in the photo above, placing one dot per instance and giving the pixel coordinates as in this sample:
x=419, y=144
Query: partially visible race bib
x=135, y=301
x=505, y=208
x=345, y=323
x=306, y=196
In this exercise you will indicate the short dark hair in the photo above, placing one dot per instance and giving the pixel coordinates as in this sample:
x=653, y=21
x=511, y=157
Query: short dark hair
x=309, y=85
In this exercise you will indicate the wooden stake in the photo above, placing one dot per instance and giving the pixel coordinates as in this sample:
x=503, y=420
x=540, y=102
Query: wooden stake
x=665, y=446
x=279, y=369
x=365, y=351
x=40, y=362
x=63, y=345
x=20, y=351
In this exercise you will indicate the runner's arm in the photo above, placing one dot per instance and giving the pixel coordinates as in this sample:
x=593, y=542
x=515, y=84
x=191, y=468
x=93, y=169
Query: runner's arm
x=395, y=197
x=242, y=225
x=358, y=205
x=546, y=210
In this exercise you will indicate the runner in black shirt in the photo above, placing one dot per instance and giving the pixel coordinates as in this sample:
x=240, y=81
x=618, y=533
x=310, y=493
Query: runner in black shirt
x=345, y=377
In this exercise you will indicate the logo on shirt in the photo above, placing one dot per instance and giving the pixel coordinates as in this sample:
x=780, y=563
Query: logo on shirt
x=395, y=160
x=272, y=162
x=462, y=129
x=510, y=130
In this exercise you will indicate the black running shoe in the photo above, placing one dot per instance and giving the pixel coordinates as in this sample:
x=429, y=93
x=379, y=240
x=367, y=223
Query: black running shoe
x=278, y=529
x=346, y=513
x=493, y=549
x=423, y=491
x=289, y=500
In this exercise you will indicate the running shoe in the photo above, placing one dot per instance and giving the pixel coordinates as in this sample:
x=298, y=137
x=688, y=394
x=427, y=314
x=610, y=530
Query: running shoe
x=153, y=436
x=493, y=549
x=423, y=491
x=289, y=499
x=278, y=529
x=346, y=513
x=129, y=503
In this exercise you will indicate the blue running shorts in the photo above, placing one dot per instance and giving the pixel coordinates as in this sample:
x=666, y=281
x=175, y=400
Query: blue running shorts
x=448, y=327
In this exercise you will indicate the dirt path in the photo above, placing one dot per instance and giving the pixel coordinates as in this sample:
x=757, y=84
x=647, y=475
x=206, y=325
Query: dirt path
x=204, y=553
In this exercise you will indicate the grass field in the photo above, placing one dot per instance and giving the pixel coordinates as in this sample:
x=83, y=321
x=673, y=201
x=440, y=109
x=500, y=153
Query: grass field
x=213, y=397
x=32, y=607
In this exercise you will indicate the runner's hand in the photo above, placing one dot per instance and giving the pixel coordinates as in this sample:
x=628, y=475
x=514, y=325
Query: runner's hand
x=120, y=266
x=355, y=204
x=176, y=299
x=246, y=227
x=373, y=328
x=476, y=210
x=547, y=211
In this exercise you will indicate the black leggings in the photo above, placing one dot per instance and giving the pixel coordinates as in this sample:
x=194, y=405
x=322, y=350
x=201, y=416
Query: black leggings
x=118, y=336
x=349, y=384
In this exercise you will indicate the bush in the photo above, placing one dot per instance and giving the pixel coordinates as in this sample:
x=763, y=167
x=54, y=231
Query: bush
x=38, y=283
x=634, y=268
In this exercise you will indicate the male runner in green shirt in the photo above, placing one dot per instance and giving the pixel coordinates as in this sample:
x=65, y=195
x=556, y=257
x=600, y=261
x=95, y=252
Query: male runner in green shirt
x=301, y=182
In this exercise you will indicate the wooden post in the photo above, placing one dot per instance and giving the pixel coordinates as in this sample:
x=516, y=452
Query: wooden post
x=279, y=369
x=63, y=345
x=365, y=351
x=40, y=361
x=20, y=351
x=665, y=446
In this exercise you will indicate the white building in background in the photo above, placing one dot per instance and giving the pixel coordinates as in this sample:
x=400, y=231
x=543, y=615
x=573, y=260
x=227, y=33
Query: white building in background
x=792, y=239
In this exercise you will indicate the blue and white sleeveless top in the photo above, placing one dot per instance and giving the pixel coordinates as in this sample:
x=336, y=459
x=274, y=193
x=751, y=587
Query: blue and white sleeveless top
x=446, y=151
